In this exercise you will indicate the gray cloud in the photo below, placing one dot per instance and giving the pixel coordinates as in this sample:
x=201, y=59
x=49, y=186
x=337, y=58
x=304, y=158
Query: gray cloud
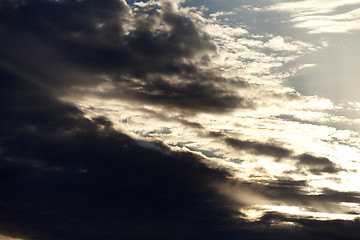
x=259, y=148
x=75, y=42
x=316, y=165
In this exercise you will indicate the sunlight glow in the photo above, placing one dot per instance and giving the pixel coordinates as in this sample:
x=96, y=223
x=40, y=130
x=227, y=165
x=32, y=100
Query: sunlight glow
x=258, y=211
x=2, y=237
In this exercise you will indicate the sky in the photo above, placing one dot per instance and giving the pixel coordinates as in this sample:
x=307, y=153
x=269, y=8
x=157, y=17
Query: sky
x=185, y=119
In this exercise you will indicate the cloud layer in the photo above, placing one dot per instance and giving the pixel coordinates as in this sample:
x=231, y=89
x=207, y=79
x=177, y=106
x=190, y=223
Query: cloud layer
x=322, y=16
x=153, y=121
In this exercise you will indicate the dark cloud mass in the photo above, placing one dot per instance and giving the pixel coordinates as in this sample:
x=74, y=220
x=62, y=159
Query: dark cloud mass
x=67, y=177
x=72, y=42
x=64, y=176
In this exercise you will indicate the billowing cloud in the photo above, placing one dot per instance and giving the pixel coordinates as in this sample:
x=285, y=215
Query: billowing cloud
x=148, y=54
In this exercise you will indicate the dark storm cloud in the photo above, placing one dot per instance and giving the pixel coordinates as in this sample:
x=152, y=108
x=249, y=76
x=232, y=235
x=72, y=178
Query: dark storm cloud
x=66, y=177
x=73, y=42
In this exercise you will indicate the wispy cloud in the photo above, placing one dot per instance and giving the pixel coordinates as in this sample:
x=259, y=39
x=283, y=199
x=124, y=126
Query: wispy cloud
x=322, y=16
x=311, y=7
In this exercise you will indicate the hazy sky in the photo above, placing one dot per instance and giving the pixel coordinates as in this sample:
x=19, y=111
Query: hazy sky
x=179, y=119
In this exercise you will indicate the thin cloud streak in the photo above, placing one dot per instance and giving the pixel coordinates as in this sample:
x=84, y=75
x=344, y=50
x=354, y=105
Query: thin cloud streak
x=321, y=16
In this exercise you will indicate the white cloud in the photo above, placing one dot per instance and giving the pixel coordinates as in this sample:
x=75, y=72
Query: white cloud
x=311, y=7
x=279, y=43
x=321, y=16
